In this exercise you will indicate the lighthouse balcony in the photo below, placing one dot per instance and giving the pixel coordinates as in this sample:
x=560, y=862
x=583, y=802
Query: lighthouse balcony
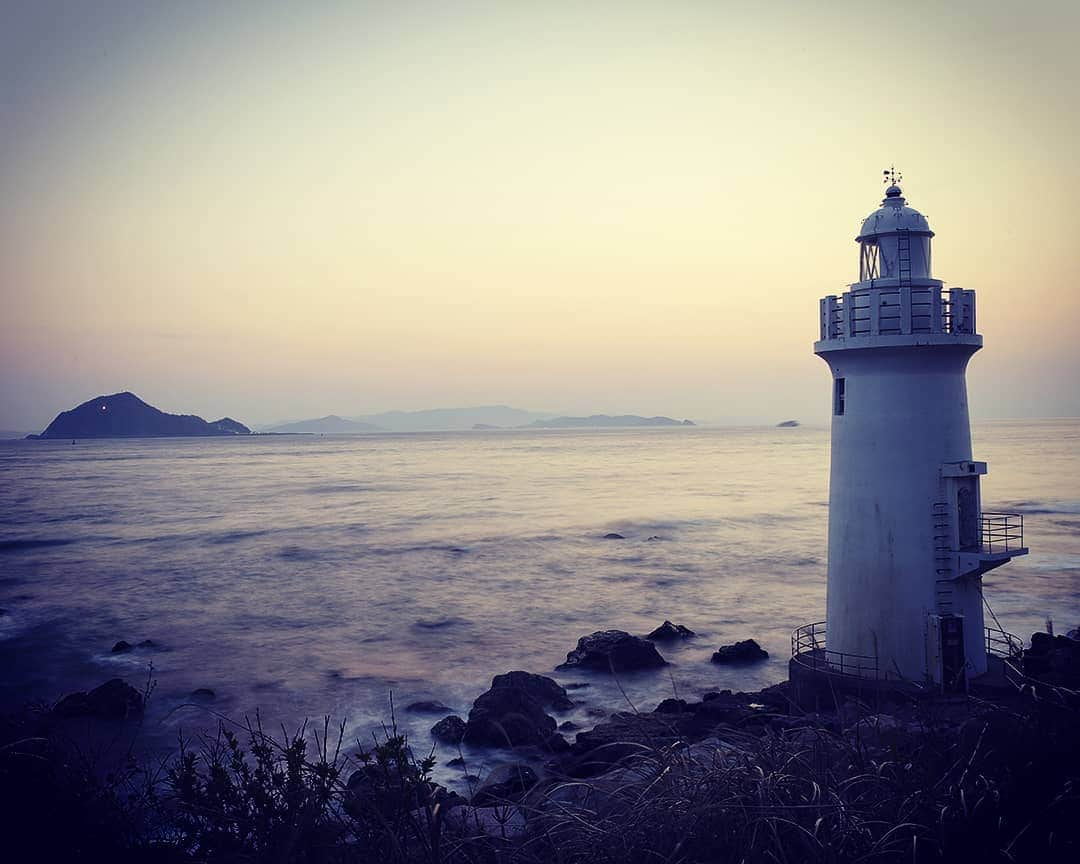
x=899, y=311
x=808, y=650
x=815, y=666
x=1001, y=538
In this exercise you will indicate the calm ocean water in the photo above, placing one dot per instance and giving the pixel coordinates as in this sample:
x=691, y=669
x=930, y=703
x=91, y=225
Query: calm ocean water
x=305, y=576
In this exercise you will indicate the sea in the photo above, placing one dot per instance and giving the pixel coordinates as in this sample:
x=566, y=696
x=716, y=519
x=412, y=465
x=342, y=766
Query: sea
x=304, y=577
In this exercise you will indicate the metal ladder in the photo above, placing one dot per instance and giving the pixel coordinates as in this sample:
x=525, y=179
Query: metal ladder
x=903, y=256
x=943, y=559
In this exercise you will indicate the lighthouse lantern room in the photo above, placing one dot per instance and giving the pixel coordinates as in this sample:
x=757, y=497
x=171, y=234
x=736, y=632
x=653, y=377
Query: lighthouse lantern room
x=909, y=541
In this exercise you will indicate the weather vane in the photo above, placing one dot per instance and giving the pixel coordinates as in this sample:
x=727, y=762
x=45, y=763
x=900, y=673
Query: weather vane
x=892, y=176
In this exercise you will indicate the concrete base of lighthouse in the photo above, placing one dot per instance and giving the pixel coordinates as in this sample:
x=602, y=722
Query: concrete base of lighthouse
x=824, y=679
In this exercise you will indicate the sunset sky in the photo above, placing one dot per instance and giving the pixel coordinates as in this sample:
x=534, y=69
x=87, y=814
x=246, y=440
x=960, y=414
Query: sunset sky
x=284, y=210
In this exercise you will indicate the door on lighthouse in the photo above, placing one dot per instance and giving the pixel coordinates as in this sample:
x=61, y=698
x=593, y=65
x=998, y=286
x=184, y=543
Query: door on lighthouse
x=967, y=513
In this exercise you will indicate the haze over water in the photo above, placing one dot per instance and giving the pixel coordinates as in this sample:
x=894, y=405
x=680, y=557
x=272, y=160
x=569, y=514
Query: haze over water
x=305, y=576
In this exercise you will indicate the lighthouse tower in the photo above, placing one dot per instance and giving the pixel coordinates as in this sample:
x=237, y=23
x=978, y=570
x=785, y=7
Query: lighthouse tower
x=908, y=539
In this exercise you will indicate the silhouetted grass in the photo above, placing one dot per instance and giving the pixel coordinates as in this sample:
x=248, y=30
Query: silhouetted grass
x=963, y=782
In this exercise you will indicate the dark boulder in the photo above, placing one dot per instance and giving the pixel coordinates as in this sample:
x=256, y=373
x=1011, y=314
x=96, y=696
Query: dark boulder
x=613, y=650
x=746, y=651
x=449, y=730
x=1053, y=660
x=667, y=632
x=508, y=717
x=1041, y=643
x=147, y=643
x=505, y=784
x=614, y=536
x=431, y=706
x=546, y=691
x=731, y=710
x=203, y=693
x=623, y=735
x=113, y=700
x=672, y=706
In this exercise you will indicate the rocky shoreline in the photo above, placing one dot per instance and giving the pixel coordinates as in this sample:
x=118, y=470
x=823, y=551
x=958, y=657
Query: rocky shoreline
x=555, y=783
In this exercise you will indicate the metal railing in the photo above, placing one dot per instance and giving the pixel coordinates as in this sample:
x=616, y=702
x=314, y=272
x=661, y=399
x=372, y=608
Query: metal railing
x=895, y=311
x=1002, y=644
x=808, y=649
x=1001, y=532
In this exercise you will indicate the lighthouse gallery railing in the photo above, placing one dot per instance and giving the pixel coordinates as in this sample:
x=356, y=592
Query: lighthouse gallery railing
x=808, y=649
x=897, y=311
x=1001, y=532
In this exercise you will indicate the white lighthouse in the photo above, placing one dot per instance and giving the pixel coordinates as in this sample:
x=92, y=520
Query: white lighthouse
x=908, y=539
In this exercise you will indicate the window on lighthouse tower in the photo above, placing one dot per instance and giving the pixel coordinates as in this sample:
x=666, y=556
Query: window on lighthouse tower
x=868, y=260
x=838, y=397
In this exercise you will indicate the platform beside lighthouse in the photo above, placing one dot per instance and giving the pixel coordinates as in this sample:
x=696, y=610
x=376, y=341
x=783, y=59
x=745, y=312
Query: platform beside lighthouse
x=820, y=673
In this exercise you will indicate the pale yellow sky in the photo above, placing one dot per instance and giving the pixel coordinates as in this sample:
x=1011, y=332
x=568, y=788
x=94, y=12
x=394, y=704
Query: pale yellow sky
x=276, y=211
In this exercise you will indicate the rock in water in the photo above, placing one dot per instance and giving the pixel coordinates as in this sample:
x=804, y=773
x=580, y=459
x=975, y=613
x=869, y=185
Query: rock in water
x=546, y=691
x=113, y=700
x=668, y=631
x=746, y=651
x=449, y=730
x=121, y=647
x=431, y=706
x=509, y=717
x=614, y=536
x=608, y=650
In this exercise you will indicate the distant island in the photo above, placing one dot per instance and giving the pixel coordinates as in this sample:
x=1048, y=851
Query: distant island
x=787, y=424
x=125, y=415
x=329, y=425
x=606, y=421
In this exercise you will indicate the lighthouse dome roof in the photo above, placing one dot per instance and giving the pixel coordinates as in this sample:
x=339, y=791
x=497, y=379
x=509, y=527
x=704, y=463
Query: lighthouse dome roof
x=894, y=215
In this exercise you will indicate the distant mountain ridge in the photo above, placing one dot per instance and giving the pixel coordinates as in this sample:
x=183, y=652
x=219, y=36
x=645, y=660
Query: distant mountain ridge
x=479, y=418
x=125, y=415
x=331, y=424
x=595, y=421
x=451, y=419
